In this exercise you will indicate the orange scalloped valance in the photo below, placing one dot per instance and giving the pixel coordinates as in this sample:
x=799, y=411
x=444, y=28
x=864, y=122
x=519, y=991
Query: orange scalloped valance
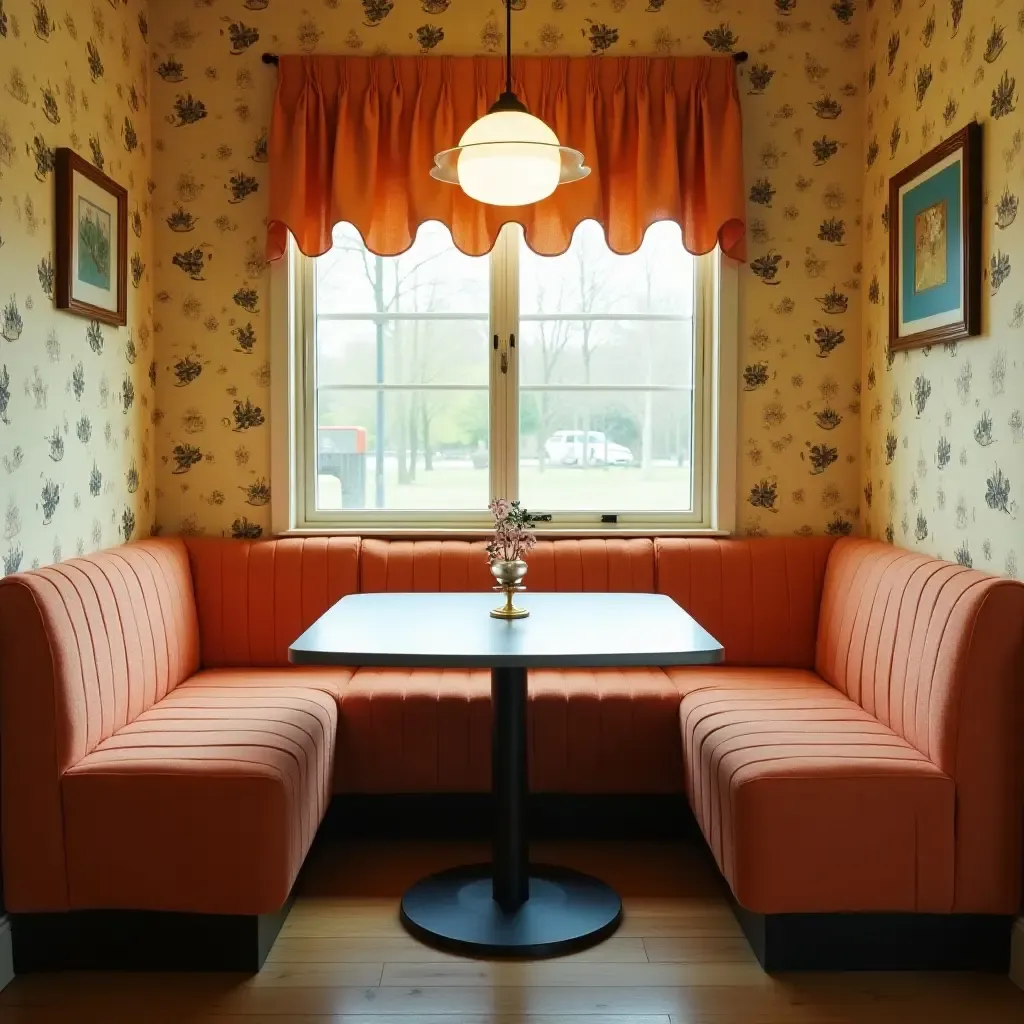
x=353, y=139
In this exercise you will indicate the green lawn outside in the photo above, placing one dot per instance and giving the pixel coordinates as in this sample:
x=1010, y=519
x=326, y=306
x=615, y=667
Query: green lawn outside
x=660, y=488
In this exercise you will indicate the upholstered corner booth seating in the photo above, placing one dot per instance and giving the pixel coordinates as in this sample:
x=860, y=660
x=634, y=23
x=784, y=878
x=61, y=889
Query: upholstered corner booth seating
x=855, y=765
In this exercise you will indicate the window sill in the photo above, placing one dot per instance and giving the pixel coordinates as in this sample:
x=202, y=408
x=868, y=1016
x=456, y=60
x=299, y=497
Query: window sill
x=409, y=533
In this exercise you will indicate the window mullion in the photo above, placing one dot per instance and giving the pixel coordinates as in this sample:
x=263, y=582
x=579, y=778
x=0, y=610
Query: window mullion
x=496, y=393
x=307, y=368
x=513, y=243
x=703, y=392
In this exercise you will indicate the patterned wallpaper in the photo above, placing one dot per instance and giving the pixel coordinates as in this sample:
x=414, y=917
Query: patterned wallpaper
x=944, y=427
x=75, y=397
x=799, y=301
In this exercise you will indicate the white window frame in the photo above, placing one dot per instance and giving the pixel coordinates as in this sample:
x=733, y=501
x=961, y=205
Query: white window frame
x=293, y=433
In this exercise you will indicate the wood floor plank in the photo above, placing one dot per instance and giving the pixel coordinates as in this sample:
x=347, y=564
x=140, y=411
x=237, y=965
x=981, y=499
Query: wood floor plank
x=341, y=918
x=74, y=1000
x=303, y=975
x=983, y=1013
x=729, y=1003
x=667, y=918
x=834, y=1014
x=458, y=1018
x=711, y=926
x=571, y=975
x=167, y=992
x=406, y=950
x=700, y=1005
x=691, y=949
x=32, y=1015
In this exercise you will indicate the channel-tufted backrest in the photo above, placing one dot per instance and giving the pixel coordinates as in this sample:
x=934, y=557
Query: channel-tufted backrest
x=456, y=565
x=593, y=565
x=85, y=647
x=255, y=597
x=935, y=651
x=423, y=566
x=759, y=598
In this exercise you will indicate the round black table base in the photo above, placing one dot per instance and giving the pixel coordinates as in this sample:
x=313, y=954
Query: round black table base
x=455, y=911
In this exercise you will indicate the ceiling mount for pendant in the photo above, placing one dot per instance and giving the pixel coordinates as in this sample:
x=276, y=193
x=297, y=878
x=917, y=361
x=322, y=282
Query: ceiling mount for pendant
x=509, y=157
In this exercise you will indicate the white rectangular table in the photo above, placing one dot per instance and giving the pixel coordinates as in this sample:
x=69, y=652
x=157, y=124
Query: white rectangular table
x=508, y=907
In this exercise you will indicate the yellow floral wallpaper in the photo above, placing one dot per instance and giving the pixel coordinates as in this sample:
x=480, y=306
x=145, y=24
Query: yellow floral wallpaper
x=75, y=397
x=799, y=303
x=944, y=427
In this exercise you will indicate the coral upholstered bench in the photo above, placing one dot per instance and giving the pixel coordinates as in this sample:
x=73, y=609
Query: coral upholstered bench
x=855, y=765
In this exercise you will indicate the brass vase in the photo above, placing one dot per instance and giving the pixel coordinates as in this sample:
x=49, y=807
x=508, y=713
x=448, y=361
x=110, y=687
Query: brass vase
x=509, y=575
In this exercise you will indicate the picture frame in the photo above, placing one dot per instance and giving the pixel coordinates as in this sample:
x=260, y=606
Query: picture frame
x=92, y=241
x=935, y=268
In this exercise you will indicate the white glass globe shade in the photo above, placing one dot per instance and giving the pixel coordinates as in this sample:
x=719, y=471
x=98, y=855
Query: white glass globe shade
x=503, y=164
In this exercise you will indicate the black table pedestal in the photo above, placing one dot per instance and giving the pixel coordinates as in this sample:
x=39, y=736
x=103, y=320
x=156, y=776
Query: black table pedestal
x=510, y=908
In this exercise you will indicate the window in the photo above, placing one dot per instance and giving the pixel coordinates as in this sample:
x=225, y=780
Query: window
x=585, y=384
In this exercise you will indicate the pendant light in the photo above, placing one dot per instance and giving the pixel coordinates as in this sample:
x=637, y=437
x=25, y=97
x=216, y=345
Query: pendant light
x=509, y=157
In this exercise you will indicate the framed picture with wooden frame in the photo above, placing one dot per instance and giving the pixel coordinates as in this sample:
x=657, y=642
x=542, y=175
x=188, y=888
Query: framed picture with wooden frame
x=92, y=241
x=935, y=269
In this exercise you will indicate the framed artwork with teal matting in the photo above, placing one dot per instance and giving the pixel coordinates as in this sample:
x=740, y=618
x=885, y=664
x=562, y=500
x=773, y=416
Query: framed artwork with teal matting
x=935, y=244
x=91, y=241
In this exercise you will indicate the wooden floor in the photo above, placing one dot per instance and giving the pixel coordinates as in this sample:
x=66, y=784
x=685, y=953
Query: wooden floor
x=679, y=958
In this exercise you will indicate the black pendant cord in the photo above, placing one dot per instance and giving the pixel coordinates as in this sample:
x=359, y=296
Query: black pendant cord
x=508, y=100
x=508, y=46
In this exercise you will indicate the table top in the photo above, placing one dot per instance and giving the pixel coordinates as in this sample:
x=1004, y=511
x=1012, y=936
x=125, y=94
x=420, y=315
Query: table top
x=456, y=630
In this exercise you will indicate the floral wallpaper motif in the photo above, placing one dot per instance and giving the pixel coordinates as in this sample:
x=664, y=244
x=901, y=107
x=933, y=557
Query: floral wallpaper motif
x=75, y=396
x=944, y=427
x=799, y=298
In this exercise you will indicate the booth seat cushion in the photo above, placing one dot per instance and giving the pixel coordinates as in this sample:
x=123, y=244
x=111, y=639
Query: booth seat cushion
x=208, y=802
x=330, y=680
x=590, y=731
x=809, y=803
x=689, y=679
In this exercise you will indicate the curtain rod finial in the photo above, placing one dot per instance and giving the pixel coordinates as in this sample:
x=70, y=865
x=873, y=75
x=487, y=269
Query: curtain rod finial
x=741, y=57
x=270, y=58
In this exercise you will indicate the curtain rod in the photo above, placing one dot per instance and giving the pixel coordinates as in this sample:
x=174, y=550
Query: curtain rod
x=272, y=58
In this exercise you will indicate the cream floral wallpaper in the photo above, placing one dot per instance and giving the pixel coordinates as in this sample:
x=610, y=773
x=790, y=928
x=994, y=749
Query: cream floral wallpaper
x=800, y=295
x=944, y=427
x=76, y=450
